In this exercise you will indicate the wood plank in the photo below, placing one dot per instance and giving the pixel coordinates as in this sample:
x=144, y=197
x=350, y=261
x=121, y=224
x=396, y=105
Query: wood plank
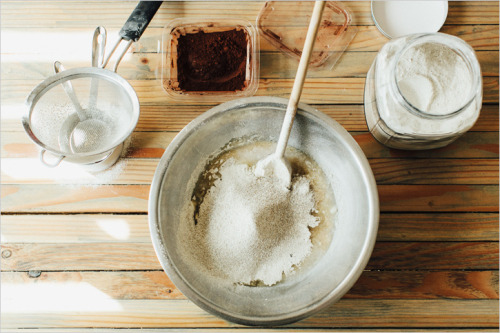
x=351, y=117
x=176, y=117
x=460, y=12
x=240, y=329
x=435, y=171
x=442, y=198
x=113, y=14
x=438, y=227
x=122, y=285
x=136, y=171
x=369, y=38
x=273, y=65
x=75, y=198
x=79, y=228
x=425, y=285
x=351, y=64
x=127, y=171
x=346, y=313
x=141, y=256
x=245, y=329
x=142, y=145
x=119, y=285
x=141, y=171
x=434, y=255
x=344, y=90
x=97, y=228
x=237, y=329
x=472, y=145
x=56, y=198
x=48, y=44
x=79, y=256
x=316, y=90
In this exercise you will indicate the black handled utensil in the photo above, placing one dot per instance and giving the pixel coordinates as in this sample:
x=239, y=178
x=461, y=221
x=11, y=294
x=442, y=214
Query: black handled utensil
x=134, y=27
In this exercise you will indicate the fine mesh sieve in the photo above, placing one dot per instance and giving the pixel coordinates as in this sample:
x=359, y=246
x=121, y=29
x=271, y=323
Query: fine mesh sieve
x=83, y=115
x=85, y=126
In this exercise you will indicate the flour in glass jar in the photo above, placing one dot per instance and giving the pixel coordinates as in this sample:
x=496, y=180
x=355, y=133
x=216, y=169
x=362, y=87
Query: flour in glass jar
x=252, y=230
x=433, y=78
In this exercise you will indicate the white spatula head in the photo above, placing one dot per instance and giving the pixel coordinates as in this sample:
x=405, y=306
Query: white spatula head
x=275, y=166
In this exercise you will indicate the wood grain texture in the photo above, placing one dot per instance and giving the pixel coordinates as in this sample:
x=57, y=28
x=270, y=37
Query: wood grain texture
x=426, y=285
x=127, y=171
x=140, y=171
x=237, y=329
x=351, y=117
x=434, y=255
x=79, y=256
x=241, y=329
x=474, y=145
x=353, y=64
x=340, y=90
x=128, y=285
x=78, y=228
x=141, y=256
x=32, y=59
x=470, y=145
x=274, y=65
x=435, y=171
x=76, y=251
x=442, y=198
x=160, y=118
x=54, y=198
x=347, y=313
x=98, y=228
x=75, y=198
x=438, y=227
x=114, y=14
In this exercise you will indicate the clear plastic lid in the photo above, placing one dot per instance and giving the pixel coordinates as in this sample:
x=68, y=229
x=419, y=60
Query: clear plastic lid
x=284, y=24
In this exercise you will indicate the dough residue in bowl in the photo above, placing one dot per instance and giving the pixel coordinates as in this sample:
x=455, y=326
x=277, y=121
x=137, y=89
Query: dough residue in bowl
x=248, y=229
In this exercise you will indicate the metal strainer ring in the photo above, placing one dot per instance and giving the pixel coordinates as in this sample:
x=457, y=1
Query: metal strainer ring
x=51, y=112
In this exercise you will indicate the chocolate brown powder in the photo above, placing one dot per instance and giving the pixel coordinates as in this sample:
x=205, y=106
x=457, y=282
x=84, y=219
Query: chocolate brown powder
x=212, y=61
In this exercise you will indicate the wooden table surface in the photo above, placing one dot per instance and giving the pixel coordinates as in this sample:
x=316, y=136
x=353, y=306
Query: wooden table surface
x=76, y=252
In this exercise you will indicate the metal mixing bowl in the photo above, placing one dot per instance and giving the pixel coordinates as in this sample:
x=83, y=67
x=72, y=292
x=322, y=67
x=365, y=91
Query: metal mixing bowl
x=355, y=228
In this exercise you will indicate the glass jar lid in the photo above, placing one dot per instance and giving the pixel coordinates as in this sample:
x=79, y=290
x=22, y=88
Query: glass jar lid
x=400, y=18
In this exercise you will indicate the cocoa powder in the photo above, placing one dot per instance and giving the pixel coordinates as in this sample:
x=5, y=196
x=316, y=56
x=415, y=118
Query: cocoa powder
x=212, y=61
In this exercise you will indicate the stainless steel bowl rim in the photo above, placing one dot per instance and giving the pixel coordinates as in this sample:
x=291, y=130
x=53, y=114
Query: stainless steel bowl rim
x=75, y=73
x=205, y=303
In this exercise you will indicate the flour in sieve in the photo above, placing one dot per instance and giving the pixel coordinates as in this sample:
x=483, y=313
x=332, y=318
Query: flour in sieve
x=249, y=229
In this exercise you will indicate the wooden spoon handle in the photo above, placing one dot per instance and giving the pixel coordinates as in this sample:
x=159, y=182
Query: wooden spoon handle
x=291, y=109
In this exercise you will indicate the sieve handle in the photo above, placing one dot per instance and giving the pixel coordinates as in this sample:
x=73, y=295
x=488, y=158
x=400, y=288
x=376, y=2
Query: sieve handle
x=139, y=20
x=53, y=164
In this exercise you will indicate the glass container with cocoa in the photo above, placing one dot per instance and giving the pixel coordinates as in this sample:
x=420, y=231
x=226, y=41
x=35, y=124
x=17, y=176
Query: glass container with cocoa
x=212, y=60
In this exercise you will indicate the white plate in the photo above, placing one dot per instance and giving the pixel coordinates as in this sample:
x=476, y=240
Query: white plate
x=400, y=18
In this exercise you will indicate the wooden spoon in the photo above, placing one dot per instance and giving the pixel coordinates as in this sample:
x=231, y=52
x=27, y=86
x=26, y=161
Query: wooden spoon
x=275, y=165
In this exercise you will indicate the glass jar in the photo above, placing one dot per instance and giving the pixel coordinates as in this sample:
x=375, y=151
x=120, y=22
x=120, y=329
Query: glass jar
x=422, y=91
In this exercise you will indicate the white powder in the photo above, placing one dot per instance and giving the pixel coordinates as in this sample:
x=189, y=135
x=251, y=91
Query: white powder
x=433, y=78
x=249, y=229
